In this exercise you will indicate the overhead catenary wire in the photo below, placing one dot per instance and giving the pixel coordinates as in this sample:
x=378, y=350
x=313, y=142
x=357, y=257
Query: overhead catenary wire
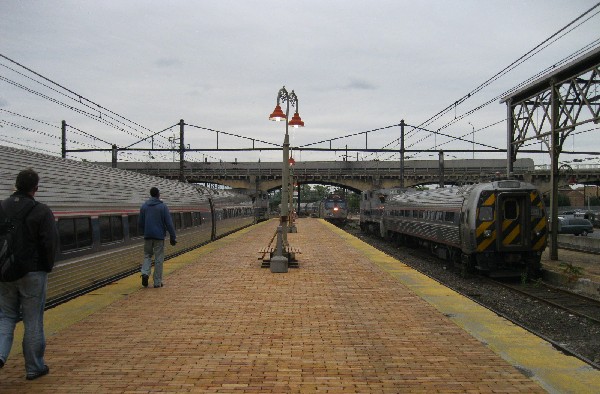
x=512, y=65
x=79, y=96
x=544, y=44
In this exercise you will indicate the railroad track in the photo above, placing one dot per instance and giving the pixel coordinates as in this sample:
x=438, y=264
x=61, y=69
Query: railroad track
x=570, y=302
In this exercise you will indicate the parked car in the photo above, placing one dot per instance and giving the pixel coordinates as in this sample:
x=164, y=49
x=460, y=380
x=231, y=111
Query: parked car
x=575, y=226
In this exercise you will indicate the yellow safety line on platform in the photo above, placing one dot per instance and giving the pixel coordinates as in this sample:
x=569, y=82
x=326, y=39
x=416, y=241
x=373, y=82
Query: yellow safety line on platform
x=553, y=370
x=71, y=312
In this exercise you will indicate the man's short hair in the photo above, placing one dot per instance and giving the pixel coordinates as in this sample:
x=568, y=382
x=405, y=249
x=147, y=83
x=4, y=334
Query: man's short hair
x=154, y=192
x=27, y=181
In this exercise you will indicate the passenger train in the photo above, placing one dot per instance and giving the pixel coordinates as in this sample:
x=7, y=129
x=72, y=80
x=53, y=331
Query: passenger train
x=96, y=209
x=497, y=228
x=334, y=209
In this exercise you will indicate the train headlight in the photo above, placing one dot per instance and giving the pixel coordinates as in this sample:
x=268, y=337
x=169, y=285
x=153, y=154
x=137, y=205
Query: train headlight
x=487, y=233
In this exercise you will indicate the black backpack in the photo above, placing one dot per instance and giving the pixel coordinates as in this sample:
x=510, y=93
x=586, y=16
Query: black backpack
x=15, y=245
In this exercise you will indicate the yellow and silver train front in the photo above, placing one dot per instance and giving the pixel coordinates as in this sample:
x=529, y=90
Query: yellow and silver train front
x=510, y=228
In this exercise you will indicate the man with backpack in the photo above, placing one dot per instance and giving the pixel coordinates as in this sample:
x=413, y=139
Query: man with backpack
x=28, y=232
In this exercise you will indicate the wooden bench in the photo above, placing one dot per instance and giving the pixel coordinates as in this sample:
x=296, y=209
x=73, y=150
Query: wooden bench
x=266, y=253
x=288, y=249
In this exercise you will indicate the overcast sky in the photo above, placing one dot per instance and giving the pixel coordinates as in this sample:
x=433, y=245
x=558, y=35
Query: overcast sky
x=354, y=65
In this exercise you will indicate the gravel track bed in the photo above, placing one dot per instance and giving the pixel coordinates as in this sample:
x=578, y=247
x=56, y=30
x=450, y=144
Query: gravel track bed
x=575, y=333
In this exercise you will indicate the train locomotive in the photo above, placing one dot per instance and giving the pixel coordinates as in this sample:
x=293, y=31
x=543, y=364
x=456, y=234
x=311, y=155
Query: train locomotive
x=334, y=209
x=96, y=210
x=497, y=228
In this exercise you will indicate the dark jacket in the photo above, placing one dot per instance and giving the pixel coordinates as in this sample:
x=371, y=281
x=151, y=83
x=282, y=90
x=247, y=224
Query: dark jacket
x=42, y=230
x=155, y=220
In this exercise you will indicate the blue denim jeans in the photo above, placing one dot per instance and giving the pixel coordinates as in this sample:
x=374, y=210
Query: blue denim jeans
x=154, y=247
x=26, y=295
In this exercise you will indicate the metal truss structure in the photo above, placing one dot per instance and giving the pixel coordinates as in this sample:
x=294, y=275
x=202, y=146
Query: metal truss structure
x=548, y=111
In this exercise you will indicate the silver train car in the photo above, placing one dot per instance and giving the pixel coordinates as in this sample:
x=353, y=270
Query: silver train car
x=262, y=209
x=497, y=228
x=97, y=208
x=334, y=208
x=372, y=203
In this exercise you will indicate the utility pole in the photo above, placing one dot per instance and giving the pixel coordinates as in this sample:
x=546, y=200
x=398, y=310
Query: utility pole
x=181, y=151
x=402, y=153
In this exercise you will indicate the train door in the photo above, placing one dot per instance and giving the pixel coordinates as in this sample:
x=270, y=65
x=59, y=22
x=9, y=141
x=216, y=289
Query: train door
x=511, y=224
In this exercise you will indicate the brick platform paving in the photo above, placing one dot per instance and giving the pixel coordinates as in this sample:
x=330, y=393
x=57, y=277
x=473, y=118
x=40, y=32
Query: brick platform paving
x=337, y=324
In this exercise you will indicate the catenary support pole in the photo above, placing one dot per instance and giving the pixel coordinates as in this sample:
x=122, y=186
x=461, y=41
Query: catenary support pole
x=181, y=151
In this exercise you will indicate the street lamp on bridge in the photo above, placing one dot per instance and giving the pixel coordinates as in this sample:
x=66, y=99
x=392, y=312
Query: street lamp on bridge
x=278, y=115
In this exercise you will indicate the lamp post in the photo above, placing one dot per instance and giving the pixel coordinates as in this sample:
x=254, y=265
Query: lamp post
x=278, y=115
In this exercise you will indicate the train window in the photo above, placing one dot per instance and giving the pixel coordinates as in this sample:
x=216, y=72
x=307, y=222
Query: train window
x=196, y=218
x=486, y=214
x=511, y=210
x=111, y=228
x=176, y=220
x=536, y=212
x=83, y=232
x=134, y=229
x=187, y=219
x=74, y=233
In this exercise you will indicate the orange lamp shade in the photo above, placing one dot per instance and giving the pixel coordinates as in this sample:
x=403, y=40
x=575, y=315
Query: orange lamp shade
x=296, y=121
x=277, y=114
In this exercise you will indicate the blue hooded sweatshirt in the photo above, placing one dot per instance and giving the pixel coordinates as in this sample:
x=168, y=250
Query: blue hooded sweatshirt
x=155, y=220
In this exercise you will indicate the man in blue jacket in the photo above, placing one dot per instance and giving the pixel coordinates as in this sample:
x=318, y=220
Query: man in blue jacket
x=155, y=220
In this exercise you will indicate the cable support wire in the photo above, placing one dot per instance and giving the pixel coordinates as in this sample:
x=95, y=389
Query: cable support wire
x=544, y=44
x=78, y=110
x=40, y=132
x=150, y=136
x=567, y=59
x=28, y=129
x=524, y=83
x=79, y=96
x=515, y=88
x=72, y=98
x=512, y=65
x=89, y=135
x=25, y=146
x=29, y=118
x=544, y=140
x=21, y=139
x=349, y=135
x=232, y=135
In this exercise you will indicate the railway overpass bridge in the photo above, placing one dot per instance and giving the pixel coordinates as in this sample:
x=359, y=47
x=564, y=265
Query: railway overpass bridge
x=359, y=175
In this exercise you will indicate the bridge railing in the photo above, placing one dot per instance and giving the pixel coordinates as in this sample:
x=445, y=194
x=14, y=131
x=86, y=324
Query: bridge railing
x=224, y=172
